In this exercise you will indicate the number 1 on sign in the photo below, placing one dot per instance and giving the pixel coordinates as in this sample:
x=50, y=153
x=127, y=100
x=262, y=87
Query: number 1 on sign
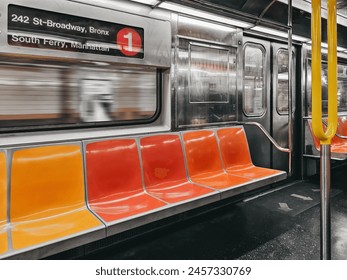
x=129, y=41
x=129, y=36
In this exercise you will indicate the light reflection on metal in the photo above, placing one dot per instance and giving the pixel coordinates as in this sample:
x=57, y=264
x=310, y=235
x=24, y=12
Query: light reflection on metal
x=148, y=2
x=290, y=85
x=278, y=33
x=204, y=15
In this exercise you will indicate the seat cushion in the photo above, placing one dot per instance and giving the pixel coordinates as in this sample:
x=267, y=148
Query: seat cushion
x=37, y=230
x=178, y=191
x=220, y=180
x=253, y=172
x=115, y=208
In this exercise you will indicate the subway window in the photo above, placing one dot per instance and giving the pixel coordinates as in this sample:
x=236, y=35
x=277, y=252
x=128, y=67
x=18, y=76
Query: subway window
x=324, y=75
x=254, y=80
x=37, y=93
x=282, y=59
x=341, y=87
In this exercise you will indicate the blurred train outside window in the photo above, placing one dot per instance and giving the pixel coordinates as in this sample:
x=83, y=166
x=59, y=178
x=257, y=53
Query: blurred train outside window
x=205, y=83
x=37, y=93
x=341, y=87
x=282, y=82
x=254, y=80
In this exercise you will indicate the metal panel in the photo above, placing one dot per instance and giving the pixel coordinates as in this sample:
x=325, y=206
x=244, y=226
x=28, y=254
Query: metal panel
x=258, y=143
x=205, y=84
x=205, y=74
x=157, y=33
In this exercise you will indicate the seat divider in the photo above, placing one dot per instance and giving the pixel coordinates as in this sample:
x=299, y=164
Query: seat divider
x=138, y=146
x=219, y=150
x=86, y=198
x=8, y=156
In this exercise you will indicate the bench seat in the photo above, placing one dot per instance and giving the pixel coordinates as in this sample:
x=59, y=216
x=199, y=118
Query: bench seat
x=128, y=182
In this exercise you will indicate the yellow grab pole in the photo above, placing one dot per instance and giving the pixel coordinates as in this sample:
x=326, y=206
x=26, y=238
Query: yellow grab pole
x=324, y=136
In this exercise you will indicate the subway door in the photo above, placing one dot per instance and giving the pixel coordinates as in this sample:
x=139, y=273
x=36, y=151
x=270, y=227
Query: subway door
x=255, y=97
x=280, y=103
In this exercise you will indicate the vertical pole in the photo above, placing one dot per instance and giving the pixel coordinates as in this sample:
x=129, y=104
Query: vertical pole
x=324, y=136
x=325, y=229
x=290, y=85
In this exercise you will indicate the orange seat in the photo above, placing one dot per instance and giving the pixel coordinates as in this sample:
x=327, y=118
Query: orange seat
x=115, y=189
x=342, y=126
x=3, y=205
x=338, y=145
x=236, y=156
x=204, y=163
x=47, y=196
x=315, y=139
x=164, y=169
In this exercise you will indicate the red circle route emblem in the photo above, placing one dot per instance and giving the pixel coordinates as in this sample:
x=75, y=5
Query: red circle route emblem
x=129, y=41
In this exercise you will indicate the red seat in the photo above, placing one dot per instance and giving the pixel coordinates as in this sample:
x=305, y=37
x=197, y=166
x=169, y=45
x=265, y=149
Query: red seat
x=204, y=163
x=164, y=169
x=115, y=189
x=236, y=156
x=3, y=204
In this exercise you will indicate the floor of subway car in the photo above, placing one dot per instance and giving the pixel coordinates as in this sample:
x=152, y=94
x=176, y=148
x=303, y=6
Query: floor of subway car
x=278, y=225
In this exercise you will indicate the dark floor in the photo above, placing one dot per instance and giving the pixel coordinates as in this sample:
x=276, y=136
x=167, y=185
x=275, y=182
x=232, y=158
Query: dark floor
x=280, y=225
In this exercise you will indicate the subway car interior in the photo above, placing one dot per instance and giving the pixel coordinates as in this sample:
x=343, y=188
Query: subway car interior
x=192, y=129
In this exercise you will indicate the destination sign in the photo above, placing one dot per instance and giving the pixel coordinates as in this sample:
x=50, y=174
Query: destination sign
x=35, y=28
